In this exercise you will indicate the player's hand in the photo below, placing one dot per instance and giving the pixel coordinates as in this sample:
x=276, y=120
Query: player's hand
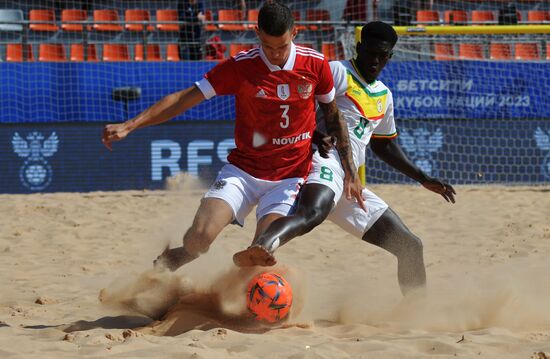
x=353, y=188
x=114, y=132
x=444, y=189
x=324, y=143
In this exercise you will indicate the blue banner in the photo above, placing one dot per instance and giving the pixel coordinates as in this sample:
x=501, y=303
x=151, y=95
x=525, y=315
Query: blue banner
x=469, y=89
x=71, y=157
x=82, y=92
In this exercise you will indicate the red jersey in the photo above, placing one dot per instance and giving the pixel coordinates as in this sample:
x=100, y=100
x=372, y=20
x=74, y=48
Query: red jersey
x=275, y=109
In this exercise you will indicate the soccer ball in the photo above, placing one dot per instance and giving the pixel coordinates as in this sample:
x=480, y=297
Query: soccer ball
x=269, y=297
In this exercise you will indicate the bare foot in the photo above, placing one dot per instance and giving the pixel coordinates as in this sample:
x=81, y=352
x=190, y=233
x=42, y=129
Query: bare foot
x=254, y=256
x=172, y=258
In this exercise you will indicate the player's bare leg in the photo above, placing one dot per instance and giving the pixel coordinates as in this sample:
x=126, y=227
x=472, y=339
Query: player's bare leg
x=314, y=205
x=391, y=234
x=211, y=218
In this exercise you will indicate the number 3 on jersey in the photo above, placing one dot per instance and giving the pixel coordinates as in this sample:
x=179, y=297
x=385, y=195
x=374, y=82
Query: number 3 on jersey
x=284, y=116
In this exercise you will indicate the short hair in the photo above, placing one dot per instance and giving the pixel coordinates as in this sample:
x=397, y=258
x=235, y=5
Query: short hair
x=275, y=19
x=378, y=30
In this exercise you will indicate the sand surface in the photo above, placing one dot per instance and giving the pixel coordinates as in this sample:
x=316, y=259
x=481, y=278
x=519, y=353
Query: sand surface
x=486, y=258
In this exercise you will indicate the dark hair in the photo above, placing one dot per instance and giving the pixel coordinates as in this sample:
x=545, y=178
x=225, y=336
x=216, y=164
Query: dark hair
x=275, y=19
x=378, y=30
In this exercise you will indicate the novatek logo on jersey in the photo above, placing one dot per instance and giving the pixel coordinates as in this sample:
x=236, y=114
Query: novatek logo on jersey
x=291, y=140
x=36, y=173
x=543, y=143
x=421, y=145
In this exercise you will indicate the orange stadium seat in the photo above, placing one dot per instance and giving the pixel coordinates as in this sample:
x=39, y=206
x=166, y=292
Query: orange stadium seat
x=52, y=53
x=137, y=15
x=115, y=52
x=77, y=52
x=332, y=51
x=480, y=17
x=153, y=53
x=42, y=20
x=444, y=52
x=548, y=51
x=297, y=18
x=107, y=16
x=499, y=51
x=538, y=16
x=427, y=17
x=173, y=52
x=308, y=45
x=470, y=51
x=71, y=15
x=208, y=16
x=14, y=53
x=230, y=15
x=252, y=18
x=527, y=51
x=318, y=15
x=167, y=15
x=235, y=48
x=456, y=17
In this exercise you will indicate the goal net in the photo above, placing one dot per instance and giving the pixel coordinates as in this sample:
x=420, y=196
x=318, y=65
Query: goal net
x=469, y=80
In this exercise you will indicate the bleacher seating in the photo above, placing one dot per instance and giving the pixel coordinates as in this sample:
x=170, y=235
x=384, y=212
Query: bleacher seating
x=14, y=53
x=470, y=51
x=208, y=16
x=73, y=15
x=444, y=52
x=77, y=53
x=52, y=53
x=427, y=17
x=134, y=15
x=456, y=17
x=527, y=51
x=42, y=20
x=173, y=52
x=108, y=30
x=235, y=48
x=538, y=16
x=318, y=15
x=107, y=20
x=500, y=51
x=168, y=15
x=230, y=16
x=483, y=17
x=152, y=53
x=115, y=52
x=333, y=51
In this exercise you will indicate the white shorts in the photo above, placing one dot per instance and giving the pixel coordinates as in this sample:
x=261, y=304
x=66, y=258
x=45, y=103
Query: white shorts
x=242, y=192
x=352, y=218
x=346, y=214
x=328, y=172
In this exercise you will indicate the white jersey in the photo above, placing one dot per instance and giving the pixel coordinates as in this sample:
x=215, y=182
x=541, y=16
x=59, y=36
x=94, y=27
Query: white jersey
x=367, y=108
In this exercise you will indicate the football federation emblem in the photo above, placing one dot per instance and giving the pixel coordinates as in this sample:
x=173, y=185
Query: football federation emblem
x=219, y=184
x=305, y=90
x=36, y=172
x=421, y=145
x=543, y=143
x=283, y=91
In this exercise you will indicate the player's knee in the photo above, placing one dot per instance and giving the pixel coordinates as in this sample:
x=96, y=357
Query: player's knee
x=313, y=217
x=412, y=246
x=197, y=241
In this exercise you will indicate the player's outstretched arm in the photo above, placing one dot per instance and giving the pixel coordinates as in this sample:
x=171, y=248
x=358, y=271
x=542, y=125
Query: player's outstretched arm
x=336, y=126
x=162, y=111
x=390, y=152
